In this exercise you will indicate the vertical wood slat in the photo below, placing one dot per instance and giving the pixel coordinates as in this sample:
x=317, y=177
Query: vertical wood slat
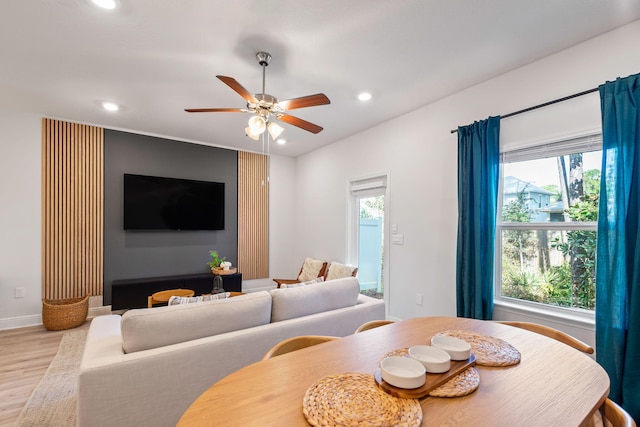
x=253, y=215
x=72, y=209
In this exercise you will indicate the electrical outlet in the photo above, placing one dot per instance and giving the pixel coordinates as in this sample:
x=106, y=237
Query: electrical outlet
x=419, y=299
x=19, y=293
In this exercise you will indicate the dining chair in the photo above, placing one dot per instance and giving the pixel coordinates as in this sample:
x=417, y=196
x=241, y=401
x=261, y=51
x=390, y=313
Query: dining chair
x=613, y=415
x=296, y=343
x=551, y=333
x=373, y=324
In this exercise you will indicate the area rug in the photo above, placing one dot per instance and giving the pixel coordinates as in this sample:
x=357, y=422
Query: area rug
x=53, y=402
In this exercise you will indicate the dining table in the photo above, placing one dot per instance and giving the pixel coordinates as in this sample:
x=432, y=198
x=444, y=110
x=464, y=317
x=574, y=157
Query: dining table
x=551, y=385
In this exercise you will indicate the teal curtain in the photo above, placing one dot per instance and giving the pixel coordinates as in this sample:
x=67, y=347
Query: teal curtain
x=618, y=246
x=478, y=172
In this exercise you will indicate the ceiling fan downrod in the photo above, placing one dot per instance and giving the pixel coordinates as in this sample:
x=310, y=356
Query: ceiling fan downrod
x=264, y=58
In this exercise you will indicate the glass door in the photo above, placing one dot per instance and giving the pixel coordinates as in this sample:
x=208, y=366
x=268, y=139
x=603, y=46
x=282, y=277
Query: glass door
x=371, y=244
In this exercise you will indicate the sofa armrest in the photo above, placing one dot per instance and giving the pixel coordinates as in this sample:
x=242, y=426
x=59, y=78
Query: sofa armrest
x=104, y=342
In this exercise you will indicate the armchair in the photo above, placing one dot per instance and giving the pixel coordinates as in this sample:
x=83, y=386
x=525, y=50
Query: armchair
x=311, y=269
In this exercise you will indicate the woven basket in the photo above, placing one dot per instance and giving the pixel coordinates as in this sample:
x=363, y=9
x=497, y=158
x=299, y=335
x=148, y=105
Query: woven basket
x=64, y=313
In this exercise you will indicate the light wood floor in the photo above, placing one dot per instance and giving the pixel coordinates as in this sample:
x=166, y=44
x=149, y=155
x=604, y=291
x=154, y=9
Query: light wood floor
x=25, y=354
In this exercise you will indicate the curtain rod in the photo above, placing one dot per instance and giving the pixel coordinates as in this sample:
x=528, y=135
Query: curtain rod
x=535, y=107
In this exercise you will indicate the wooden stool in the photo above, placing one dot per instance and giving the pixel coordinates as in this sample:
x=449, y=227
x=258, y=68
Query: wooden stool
x=163, y=296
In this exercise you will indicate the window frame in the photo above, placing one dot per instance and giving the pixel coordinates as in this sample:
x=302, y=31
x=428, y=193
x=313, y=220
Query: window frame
x=581, y=144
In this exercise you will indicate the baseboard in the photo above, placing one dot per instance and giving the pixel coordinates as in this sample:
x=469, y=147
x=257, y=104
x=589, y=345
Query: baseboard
x=21, y=322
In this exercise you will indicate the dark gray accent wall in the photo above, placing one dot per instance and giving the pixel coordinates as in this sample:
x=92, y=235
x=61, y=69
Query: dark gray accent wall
x=140, y=254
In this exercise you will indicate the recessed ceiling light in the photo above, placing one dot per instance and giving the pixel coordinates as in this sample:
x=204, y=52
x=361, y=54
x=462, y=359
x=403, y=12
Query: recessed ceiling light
x=110, y=106
x=281, y=141
x=364, y=96
x=105, y=4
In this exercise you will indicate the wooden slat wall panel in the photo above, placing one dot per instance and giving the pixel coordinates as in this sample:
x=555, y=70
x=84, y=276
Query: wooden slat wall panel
x=72, y=209
x=253, y=215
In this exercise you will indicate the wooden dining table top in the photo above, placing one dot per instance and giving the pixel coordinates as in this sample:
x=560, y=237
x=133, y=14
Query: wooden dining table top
x=553, y=385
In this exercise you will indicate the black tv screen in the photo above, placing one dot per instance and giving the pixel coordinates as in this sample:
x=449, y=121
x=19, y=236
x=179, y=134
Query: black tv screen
x=156, y=203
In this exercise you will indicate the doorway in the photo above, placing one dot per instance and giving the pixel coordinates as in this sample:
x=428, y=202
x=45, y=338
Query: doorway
x=367, y=237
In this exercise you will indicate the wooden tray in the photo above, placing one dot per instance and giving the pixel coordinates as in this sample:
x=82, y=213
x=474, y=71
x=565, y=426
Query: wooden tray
x=222, y=272
x=433, y=380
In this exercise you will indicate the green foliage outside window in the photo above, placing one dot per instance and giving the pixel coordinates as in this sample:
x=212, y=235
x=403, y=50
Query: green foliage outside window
x=570, y=284
x=580, y=247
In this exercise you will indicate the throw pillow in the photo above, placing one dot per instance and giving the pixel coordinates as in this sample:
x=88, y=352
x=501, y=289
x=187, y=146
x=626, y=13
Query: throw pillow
x=337, y=271
x=297, y=285
x=174, y=300
x=310, y=269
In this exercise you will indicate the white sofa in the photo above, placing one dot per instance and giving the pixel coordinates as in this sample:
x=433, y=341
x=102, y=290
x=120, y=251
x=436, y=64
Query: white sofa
x=146, y=367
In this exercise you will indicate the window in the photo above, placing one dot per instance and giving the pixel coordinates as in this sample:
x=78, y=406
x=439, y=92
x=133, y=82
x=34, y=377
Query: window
x=547, y=222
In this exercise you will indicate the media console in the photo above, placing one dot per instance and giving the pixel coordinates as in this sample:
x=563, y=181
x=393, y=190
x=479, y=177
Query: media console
x=133, y=293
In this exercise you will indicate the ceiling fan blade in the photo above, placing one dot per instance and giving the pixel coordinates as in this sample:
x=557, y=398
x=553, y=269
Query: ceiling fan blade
x=215, y=110
x=305, y=101
x=233, y=84
x=303, y=124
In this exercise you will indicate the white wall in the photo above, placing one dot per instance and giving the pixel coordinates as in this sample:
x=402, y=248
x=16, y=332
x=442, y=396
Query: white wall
x=281, y=217
x=420, y=154
x=422, y=202
x=20, y=195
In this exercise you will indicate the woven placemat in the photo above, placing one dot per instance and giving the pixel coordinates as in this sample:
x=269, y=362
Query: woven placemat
x=462, y=384
x=353, y=399
x=489, y=351
x=404, y=352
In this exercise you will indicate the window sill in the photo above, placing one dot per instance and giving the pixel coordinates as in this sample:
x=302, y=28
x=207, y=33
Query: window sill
x=575, y=318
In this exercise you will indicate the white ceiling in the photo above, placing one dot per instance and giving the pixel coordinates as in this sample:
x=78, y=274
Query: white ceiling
x=62, y=58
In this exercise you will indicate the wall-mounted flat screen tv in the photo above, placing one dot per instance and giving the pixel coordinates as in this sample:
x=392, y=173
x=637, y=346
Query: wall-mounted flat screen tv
x=157, y=203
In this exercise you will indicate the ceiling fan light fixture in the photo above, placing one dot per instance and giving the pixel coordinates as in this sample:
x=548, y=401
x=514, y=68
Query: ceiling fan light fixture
x=250, y=134
x=275, y=130
x=257, y=124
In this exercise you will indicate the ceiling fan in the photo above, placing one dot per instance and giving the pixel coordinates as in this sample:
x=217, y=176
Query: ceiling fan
x=265, y=107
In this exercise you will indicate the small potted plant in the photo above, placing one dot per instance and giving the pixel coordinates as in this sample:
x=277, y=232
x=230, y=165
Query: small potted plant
x=215, y=260
x=218, y=265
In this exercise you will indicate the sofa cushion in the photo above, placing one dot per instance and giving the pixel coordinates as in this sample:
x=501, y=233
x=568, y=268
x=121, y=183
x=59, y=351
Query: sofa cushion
x=311, y=299
x=147, y=328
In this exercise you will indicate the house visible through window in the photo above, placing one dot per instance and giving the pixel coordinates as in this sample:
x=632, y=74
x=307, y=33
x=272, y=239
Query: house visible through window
x=546, y=228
